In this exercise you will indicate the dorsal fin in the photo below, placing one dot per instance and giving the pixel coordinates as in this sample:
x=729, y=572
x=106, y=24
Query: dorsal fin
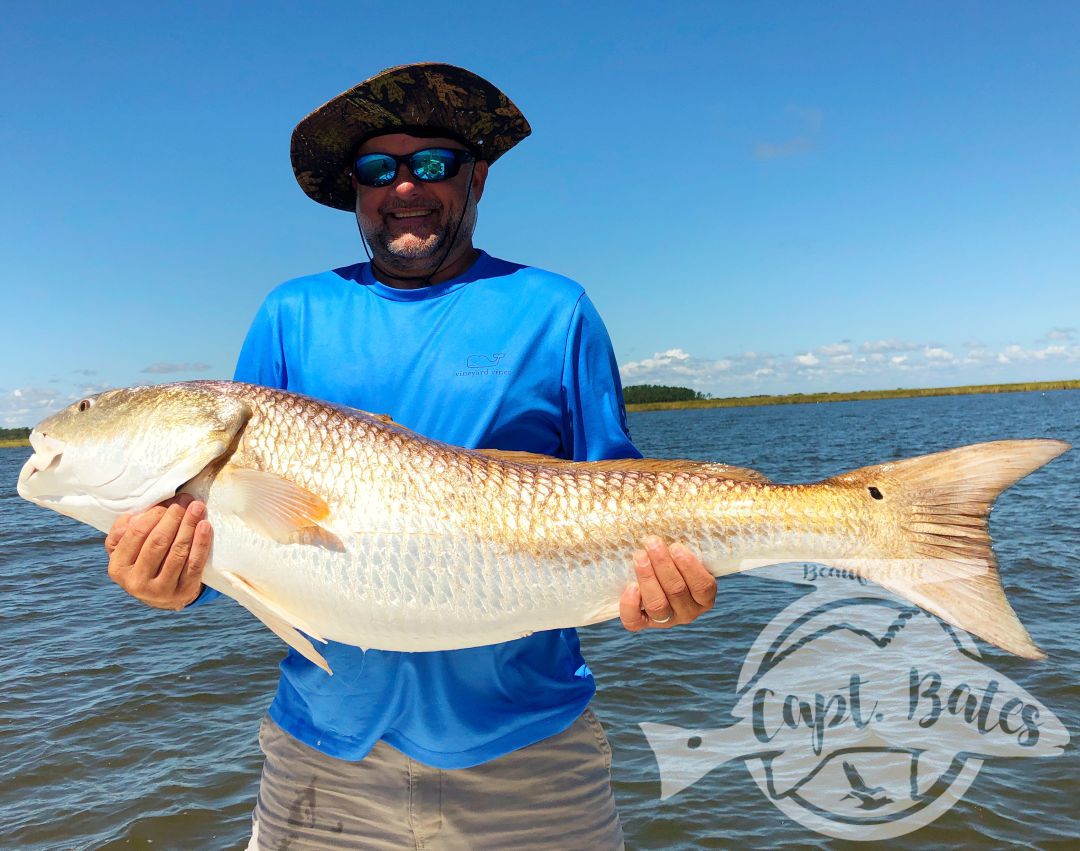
x=629, y=465
x=383, y=418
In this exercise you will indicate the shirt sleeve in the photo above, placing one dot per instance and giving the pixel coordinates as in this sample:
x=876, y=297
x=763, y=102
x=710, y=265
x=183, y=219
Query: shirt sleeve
x=261, y=361
x=262, y=357
x=594, y=426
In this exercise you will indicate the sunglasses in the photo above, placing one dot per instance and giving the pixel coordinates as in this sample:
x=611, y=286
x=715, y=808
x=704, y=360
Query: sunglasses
x=431, y=165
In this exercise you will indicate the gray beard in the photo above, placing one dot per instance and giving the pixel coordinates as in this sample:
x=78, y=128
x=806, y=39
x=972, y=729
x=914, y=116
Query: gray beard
x=382, y=243
x=383, y=249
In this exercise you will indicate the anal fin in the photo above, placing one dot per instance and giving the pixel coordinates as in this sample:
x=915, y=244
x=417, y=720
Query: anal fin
x=264, y=600
x=281, y=622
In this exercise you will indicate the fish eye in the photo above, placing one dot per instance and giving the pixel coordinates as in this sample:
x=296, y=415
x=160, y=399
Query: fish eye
x=85, y=404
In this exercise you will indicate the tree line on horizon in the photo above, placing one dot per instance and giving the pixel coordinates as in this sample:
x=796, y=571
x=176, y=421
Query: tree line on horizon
x=639, y=394
x=14, y=433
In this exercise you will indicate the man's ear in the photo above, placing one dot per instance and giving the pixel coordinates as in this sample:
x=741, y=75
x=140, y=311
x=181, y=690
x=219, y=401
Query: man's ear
x=479, y=178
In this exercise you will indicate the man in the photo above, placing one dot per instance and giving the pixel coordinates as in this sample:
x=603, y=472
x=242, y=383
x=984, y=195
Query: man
x=488, y=747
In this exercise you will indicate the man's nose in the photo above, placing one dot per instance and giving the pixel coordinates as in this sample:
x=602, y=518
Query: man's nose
x=404, y=182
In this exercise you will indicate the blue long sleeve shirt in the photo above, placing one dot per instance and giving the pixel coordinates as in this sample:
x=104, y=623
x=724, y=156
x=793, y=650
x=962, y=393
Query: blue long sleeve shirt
x=506, y=357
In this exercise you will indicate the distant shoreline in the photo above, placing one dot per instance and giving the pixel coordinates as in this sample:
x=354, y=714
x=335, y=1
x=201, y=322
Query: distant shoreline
x=4, y=444
x=857, y=396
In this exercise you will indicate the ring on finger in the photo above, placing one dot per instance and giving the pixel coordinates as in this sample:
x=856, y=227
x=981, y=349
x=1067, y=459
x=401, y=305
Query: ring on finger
x=660, y=620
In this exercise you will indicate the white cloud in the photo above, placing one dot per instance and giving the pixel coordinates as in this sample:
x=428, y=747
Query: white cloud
x=845, y=365
x=1061, y=334
x=23, y=407
x=811, y=120
x=673, y=366
x=937, y=353
x=888, y=346
x=770, y=151
x=1012, y=354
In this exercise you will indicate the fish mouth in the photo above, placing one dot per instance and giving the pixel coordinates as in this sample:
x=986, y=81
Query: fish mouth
x=47, y=452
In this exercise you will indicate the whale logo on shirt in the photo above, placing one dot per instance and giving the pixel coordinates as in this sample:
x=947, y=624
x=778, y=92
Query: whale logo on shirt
x=484, y=361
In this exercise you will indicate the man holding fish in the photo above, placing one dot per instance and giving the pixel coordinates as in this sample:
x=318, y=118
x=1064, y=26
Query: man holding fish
x=489, y=746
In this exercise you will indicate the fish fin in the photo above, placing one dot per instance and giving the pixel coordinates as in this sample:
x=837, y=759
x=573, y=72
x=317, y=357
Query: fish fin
x=275, y=623
x=264, y=600
x=628, y=465
x=941, y=503
x=275, y=507
x=291, y=637
x=737, y=474
x=383, y=418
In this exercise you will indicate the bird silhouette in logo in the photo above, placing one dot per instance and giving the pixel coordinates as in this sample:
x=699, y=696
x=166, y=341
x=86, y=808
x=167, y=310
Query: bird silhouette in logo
x=483, y=361
x=869, y=798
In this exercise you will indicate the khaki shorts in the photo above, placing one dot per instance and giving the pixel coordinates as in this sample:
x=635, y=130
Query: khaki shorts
x=555, y=794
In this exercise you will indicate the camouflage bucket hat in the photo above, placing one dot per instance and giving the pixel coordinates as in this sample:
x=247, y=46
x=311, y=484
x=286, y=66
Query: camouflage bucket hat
x=417, y=98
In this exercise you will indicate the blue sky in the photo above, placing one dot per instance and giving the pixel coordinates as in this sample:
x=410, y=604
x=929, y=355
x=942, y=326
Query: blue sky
x=759, y=197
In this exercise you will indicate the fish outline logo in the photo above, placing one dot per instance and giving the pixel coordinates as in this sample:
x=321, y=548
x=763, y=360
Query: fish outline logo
x=876, y=746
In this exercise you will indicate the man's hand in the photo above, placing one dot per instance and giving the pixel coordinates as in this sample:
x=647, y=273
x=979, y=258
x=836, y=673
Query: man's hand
x=158, y=556
x=673, y=587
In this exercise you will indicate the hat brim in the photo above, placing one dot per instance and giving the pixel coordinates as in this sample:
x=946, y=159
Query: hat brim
x=426, y=96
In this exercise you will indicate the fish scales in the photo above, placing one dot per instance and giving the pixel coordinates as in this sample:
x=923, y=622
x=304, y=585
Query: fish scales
x=346, y=526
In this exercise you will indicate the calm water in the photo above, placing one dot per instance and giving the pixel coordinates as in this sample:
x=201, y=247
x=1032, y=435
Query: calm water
x=123, y=727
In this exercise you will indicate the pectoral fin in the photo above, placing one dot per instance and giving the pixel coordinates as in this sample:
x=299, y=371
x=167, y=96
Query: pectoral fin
x=275, y=507
x=284, y=624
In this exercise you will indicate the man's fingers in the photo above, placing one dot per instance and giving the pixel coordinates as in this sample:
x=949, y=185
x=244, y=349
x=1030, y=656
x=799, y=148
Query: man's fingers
x=119, y=526
x=653, y=599
x=673, y=587
x=630, y=608
x=701, y=583
x=191, y=579
x=127, y=550
x=200, y=549
x=157, y=544
x=177, y=558
x=671, y=580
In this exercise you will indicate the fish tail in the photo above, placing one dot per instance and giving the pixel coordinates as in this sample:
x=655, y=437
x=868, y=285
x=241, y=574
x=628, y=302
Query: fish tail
x=936, y=541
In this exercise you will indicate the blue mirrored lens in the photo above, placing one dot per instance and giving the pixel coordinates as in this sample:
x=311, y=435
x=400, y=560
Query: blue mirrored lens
x=433, y=164
x=376, y=169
